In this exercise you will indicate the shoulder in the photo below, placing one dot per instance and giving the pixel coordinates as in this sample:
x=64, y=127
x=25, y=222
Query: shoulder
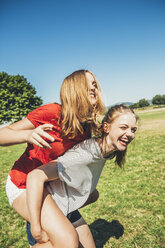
x=48, y=110
x=45, y=113
x=84, y=152
x=92, y=147
x=51, y=108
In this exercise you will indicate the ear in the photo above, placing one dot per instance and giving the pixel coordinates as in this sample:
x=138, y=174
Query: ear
x=106, y=127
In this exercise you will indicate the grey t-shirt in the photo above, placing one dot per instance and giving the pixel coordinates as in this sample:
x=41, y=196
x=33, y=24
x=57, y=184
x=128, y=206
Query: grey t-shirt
x=79, y=170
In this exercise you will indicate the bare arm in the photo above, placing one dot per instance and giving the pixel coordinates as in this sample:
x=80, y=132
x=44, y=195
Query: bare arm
x=24, y=131
x=35, y=189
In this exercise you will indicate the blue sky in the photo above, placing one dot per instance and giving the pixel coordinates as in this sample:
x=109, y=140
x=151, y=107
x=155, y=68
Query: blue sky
x=121, y=41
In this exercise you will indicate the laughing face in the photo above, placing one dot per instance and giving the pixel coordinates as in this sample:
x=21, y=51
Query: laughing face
x=93, y=90
x=121, y=132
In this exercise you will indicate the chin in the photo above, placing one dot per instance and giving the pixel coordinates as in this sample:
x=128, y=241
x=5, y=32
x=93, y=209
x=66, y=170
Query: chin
x=93, y=102
x=122, y=148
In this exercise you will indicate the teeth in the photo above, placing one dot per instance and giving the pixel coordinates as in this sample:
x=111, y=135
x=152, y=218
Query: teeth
x=125, y=141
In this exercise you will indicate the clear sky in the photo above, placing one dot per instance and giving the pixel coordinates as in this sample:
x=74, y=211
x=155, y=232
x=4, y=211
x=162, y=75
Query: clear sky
x=121, y=41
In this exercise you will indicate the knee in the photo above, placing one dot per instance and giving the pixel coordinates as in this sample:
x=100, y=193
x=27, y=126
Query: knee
x=70, y=239
x=94, y=196
x=97, y=195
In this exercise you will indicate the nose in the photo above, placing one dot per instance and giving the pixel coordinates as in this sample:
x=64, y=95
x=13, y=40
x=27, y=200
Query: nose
x=130, y=134
x=93, y=87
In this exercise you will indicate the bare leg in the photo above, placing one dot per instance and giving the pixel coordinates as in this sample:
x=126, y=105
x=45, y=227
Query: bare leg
x=85, y=235
x=60, y=231
x=82, y=228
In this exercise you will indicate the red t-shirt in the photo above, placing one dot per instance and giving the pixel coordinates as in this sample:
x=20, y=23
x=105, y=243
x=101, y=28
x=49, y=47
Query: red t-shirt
x=35, y=156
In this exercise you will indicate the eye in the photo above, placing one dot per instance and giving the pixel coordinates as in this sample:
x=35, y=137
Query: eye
x=123, y=127
x=94, y=84
x=134, y=129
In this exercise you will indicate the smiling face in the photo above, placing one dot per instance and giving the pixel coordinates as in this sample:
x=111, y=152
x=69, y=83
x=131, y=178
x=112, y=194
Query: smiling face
x=120, y=132
x=93, y=89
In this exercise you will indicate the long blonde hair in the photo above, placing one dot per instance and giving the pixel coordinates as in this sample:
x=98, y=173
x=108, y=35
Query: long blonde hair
x=109, y=117
x=76, y=107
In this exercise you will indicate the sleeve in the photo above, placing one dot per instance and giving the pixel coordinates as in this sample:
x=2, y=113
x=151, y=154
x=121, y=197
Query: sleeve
x=45, y=114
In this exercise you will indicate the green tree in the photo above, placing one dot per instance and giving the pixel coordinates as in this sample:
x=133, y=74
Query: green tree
x=163, y=99
x=143, y=103
x=135, y=105
x=17, y=97
x=157, y=100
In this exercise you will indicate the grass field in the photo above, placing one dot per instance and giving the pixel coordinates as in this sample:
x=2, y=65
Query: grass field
x=131, y=206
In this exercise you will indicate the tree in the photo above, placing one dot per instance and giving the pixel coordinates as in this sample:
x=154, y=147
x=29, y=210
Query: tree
x=143, y=103
x=135, y=105
x=163, y=99
x=157, y=100
x=17, y=97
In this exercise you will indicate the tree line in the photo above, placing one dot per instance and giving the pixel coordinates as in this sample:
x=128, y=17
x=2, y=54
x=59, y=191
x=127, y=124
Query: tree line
x=156, y=100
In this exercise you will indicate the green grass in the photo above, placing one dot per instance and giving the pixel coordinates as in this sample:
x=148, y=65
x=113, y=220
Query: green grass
x=130, y=209
x=159, y=114
x=12, y=227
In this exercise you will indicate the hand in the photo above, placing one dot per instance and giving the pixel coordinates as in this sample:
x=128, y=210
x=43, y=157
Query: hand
x=39, y=235
x=35, y=136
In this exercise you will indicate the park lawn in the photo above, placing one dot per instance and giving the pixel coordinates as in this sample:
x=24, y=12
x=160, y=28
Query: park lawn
x=130, y=209
x=12, y=227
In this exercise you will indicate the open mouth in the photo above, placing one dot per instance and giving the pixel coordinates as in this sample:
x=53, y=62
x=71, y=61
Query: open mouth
x=92, y=95
x=124, y=142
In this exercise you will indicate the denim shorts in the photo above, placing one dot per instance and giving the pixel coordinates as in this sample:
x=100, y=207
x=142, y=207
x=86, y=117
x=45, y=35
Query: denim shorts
x=73, y=217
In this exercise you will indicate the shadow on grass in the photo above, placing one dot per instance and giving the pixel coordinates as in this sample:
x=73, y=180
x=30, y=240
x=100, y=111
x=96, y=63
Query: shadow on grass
x=103, y=230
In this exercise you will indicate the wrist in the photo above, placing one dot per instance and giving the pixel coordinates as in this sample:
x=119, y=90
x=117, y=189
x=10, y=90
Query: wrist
x=35, y=228
x=26, y=136
x=35, y=223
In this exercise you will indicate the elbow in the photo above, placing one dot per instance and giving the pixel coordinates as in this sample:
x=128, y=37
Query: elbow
x=31, y=177
x=35, y=176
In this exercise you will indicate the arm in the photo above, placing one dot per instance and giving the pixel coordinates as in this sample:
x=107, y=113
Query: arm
x=35, y=190
x=24, y=131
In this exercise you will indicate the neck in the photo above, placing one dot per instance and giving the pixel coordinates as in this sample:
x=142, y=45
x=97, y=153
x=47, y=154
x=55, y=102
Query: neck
x=106, y=147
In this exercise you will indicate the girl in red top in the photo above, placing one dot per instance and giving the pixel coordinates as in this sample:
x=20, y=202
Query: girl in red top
x=52, y=129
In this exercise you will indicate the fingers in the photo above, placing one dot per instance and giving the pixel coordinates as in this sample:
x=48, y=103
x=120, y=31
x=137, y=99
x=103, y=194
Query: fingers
x=37, y=140
x=37, y=135
x=41, y=237
x=46, y=126
x=41, y=131
x=44, y=237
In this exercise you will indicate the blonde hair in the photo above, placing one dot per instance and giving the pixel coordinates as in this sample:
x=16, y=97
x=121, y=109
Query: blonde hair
x=76, y=107
x=113, y=113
